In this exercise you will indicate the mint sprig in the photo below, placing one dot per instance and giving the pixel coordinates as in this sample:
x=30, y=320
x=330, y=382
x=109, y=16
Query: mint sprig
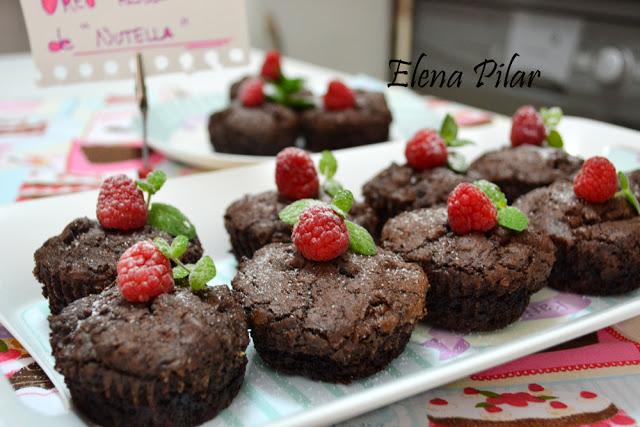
x=508, y=216
x=290, y=214
x=328, y=166
x=513, y=219
x=152, y=184
x=360, y=241
x=198, y=274
x=626, y=192
x=169, y=218
x=286, y=92
x=551, y=118
x=449, y=133
x=494, y=193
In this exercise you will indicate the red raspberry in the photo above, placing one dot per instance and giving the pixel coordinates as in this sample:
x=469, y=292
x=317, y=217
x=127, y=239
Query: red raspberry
x=143, y=272
x=556, y=404
x=527, y=127
x=426, y=150
x=121, y=204
x=320, y=234
x=251, y=93
x=469, y=209
x=470, y=390
x=271, y=66
x=597, y=181
x=296, y=175
x=338, y=96
x=535, y=387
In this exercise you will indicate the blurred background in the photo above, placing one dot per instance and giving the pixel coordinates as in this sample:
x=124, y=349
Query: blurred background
x=588, y=51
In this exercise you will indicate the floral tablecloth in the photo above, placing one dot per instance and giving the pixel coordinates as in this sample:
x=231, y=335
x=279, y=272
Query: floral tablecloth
x=47, y=147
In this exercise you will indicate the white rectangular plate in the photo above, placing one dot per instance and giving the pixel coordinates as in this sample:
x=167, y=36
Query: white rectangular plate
x=432, y=358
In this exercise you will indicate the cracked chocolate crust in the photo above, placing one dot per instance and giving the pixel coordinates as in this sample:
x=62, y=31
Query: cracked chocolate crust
x=478, y=281
x=597, y=245
x=259, y=131
x=398, y=188
x=82, y=259
x=252, y=222
x=334, y=321
x=367, y=123
x=518, y=170
x=177, y=360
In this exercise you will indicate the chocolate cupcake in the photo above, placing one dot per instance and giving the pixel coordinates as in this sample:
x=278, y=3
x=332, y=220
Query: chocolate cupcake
x=478, y=281
x=597, y=244
x=399, y=188
x=260, y=131
x=82, y=259
x=252, y=222
x=176, y=360
x=365, y=120
x=334, y=321
x=518, y=170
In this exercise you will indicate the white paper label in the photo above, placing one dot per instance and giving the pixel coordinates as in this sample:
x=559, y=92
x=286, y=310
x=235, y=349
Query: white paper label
x=88, y=40
x=545, y=43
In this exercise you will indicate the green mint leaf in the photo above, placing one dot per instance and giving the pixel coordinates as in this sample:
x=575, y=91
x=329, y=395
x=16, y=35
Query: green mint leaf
x=291, y=213
x=551, y=117
x=145, y=186
x=179, y=246
x=298, y=102
x=179, y=272
x=328, y=165
x=332, y=187
x=360, y=241
x=457, y=162
x=624, y=181
x=339, y=211
x=482, y=405
x=156, y=180
x=202, y=272
x=625, y=190
x=290, y=86
x=493, y=192
x=163, y=246
x=343, y=200
x=449, y=129
x=170, y=219
x=547, y=397
x=460, y=143
x=554, y=139
x=487, y=393
x=513, y=219
x=631, y=198
x=3, y=347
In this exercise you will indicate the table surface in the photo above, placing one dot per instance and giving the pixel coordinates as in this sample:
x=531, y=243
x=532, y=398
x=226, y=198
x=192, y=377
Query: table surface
x=37, y=163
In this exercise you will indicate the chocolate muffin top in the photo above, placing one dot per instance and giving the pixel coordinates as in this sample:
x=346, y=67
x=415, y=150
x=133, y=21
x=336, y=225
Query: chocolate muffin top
x=369, y=107
x=499, y=261
x=267, y=118
x=87, y=253
x=401, y=188
x=518, y=170
x=256, y=217
x=178, y=335
x=557, y=211
x=327, y=309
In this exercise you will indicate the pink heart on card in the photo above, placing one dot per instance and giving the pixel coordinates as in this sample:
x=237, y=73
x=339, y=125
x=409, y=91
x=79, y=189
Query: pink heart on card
x=50, y=6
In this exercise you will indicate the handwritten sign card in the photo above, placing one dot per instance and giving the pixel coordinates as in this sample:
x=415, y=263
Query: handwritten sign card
x=88, y=40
